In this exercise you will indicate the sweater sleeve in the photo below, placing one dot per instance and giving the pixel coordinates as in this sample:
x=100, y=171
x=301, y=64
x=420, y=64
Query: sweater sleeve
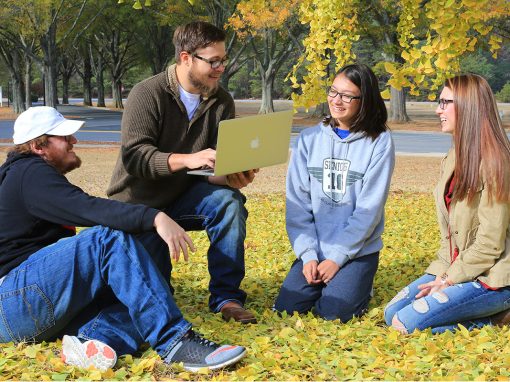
x=140, y=132
x=299, y=216
x=50, y=196
x=369, y=208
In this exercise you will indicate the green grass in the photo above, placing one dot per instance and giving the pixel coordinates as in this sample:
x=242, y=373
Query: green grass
x=304, y=347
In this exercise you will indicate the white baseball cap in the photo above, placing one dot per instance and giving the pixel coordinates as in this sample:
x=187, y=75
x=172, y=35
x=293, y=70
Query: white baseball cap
x=40, y=120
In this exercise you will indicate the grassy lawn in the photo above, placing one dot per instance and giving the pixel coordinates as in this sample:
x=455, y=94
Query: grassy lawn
x=304, y=347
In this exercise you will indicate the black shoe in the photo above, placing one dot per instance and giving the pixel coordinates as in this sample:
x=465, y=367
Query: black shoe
x=196, y=353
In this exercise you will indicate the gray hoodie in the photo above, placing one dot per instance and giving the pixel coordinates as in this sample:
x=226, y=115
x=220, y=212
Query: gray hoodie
x=336, y=191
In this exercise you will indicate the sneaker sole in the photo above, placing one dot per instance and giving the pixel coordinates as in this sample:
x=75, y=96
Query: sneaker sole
x=74, y=354
x=216, y=366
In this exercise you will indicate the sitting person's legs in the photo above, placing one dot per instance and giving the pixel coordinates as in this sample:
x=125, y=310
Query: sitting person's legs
x=56, y=283
x=468, y=304
x=345, y=296
x=296, y=295
x=221, y=212
x=404, y=297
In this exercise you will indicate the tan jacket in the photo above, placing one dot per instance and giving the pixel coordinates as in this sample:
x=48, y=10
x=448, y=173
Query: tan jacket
x=481, y=231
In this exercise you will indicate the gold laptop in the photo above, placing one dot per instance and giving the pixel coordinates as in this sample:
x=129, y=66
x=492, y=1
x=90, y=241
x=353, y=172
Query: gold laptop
x=251, y=142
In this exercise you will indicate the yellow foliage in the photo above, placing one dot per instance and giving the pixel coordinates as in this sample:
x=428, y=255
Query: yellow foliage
x=253, y=17
x=303, y=347
x=453, y=27
x=333, y=30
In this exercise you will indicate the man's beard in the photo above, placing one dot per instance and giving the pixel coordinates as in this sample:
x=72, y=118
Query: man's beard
x=65, y=167
x=200, y=85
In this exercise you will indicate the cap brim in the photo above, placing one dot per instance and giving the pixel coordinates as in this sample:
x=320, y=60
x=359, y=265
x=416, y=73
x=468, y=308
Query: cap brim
x=68, y=127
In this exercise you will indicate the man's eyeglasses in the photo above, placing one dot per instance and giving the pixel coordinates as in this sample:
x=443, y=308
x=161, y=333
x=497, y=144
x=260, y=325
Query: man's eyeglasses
x=344, y=97
x=215, y=64
x=443, y=103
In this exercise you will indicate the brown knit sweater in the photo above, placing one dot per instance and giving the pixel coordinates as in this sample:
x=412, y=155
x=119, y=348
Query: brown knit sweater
x=154, y=125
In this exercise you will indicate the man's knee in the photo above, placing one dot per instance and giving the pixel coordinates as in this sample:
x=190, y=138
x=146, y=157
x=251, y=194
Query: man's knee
x=228, y=206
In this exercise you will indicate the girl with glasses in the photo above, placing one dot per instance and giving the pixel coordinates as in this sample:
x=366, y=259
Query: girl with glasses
x=337, y=185
x=469, y=282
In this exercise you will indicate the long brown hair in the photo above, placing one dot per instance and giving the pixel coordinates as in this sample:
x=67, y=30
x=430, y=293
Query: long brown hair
x=482, y=148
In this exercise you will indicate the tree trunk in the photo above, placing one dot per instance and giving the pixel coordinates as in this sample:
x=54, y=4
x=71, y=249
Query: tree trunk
x=321, y=110
x=87, y=81
x=100, y=82
x=398, y=111
x=117, y=93
x=49, y=48
x=266, y=106
x=18, y=105
x=65, y=89
x=28, y=82
x=267, y=82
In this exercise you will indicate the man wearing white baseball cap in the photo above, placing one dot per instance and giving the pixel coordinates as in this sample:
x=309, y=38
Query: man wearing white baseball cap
x=40, y=120
x=99, y=289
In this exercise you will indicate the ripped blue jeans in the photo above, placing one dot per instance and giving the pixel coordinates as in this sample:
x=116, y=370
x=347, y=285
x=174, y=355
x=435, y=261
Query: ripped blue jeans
x=469, y=304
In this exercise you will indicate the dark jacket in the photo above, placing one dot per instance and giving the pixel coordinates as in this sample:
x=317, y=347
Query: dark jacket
x=38, y=206
x=154, y=125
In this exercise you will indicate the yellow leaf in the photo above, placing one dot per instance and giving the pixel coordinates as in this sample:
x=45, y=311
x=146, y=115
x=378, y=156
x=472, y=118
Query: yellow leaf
x=389, y=67
x=286, y=332
x=385, y=94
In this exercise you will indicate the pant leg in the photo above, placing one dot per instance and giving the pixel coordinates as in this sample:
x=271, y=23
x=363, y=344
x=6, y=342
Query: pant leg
x=405, y=297
x=221, y=212
x=106, y=319
x=43, y=294
x=348, y=293
x=159, y=252
x=296, y=295
x=467, y=303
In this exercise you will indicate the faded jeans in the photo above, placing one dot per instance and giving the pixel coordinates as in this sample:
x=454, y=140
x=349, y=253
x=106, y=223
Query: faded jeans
x=469, y=304
x=221, y=213
x=99, y=284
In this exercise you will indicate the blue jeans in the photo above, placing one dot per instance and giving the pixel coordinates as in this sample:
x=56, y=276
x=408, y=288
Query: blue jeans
x=99, y=284
x=469, y=304
x=221, y=212
x=347, y=294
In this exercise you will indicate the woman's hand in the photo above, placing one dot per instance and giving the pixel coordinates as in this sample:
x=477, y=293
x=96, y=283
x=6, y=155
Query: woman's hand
x=174, y=235
x=431, y=287
x=327, y=270
x=310, y=272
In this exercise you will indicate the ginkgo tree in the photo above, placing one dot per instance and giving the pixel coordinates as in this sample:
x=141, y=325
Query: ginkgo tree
x=430, y=37
x=273, y=32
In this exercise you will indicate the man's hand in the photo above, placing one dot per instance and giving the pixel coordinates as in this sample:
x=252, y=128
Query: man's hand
x=202, y=159
x=173, y=234
x=241, y=179
x=327, y=269
x=310, y=272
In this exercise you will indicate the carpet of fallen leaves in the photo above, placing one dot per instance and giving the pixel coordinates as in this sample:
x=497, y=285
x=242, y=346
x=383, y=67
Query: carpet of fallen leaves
x=303, y=347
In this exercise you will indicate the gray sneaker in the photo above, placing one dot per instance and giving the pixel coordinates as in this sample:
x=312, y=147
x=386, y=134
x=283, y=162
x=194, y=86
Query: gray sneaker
x=196, y=353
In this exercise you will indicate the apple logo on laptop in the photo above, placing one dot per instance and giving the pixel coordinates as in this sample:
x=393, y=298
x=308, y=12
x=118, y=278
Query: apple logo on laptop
x=255, y=143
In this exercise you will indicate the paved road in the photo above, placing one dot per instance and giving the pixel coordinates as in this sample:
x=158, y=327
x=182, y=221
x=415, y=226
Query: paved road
x=104, y=126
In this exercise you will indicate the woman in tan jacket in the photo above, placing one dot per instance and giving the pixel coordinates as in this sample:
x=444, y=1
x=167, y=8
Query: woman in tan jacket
x=469, y=282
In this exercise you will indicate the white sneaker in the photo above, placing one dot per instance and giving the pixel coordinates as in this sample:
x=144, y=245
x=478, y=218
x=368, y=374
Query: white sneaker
x=89, y=353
